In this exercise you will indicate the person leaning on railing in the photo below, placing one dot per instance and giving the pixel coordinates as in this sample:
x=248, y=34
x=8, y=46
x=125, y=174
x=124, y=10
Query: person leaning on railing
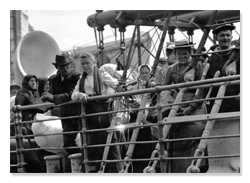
x=28, y=95
x=62, y=86
x=182, y=52
x=223, y=35
x=91, y=84
x=144, y=75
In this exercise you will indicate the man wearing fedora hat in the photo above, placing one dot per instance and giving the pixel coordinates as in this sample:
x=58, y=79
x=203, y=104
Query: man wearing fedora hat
x=62, y=86
x=223, y=35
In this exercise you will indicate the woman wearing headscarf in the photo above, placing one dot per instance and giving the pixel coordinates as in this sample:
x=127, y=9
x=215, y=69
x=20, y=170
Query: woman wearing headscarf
x=28, y=95
x=143, y=76
x=91, y=84
x=141, y=151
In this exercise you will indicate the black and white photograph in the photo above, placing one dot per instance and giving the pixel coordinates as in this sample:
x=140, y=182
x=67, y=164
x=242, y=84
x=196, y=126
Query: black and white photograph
x=125, y=92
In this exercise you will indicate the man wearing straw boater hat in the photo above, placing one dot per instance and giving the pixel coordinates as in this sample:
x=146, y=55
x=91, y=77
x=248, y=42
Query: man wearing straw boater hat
x=62, y=86
x=218, y=61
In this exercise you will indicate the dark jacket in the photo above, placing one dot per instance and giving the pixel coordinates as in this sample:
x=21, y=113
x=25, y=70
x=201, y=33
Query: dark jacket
x=62, y=90
x=28, y=96
x=216, y=61
x=173, y=76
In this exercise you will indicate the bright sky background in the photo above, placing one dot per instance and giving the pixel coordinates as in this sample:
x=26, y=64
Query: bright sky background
x=69, y=28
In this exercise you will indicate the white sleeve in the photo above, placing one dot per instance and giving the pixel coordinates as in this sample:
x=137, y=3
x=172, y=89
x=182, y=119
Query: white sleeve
x=75, y=94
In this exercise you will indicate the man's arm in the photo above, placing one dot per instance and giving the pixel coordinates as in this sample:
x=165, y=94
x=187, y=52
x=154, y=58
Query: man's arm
x=63, y=97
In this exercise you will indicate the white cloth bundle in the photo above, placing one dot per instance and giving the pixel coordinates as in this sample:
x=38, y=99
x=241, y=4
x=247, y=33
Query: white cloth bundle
x=49, y=127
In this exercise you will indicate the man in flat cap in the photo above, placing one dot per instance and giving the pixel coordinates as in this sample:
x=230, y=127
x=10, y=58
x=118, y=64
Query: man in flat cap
x=62, y=85
x=217, y=61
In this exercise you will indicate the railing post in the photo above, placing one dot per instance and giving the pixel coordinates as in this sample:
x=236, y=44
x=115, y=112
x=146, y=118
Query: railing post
x=19, y=140
x=15, y=124
x=53, y=164
x=160, y=131
x=75, y=161
x=84, y=140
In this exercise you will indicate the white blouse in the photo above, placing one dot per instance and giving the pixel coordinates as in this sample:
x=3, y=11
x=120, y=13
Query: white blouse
x=89, y=85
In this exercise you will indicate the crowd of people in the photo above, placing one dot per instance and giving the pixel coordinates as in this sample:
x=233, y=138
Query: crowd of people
x=68, y=84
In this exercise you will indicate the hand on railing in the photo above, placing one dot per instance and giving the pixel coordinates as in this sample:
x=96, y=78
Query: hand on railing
x=46, y=96
x=187, y=110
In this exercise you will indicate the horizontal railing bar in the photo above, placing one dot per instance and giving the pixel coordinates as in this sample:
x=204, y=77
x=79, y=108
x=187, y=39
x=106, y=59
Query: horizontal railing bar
x=166, y=140
x=52, y=148
x=50, y=134
x=128, y=110
x=171, y=120
x=137, y=142
x=59, y=118
x=181, y=119
x=135, y=92
x=215, y=84
x=168, y=105
x=166, y=158
x=14, y=165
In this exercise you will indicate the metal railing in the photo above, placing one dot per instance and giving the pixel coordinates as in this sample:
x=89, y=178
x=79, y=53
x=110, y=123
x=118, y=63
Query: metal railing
x=174, y=120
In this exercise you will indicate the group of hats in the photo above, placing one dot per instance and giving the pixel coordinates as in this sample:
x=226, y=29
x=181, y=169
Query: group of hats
x=64, y=59
x=185, y=43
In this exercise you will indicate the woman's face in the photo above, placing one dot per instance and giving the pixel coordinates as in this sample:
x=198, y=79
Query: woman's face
x=144, y=73
x=46, y=86
x=182, y=55
x=32, y=83
x=87, y=65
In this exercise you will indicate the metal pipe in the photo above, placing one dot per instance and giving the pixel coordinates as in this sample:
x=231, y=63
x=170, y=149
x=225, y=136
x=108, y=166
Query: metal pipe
x=147, y=90
x=84, y=140
x=161, y=137
x=139, y=42
x=163, y=36
x=110, y=17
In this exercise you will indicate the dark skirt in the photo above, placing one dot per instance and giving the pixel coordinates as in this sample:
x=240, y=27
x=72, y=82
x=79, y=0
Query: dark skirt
x=100, y=137
x=183, y=130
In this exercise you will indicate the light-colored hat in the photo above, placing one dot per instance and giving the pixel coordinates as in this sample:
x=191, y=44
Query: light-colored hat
x=170, y=45
x=184, y=43
x=144, y=65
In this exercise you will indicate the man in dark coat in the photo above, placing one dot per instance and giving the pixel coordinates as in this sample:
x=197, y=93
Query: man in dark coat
x=62, y=86
x=223, y=35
